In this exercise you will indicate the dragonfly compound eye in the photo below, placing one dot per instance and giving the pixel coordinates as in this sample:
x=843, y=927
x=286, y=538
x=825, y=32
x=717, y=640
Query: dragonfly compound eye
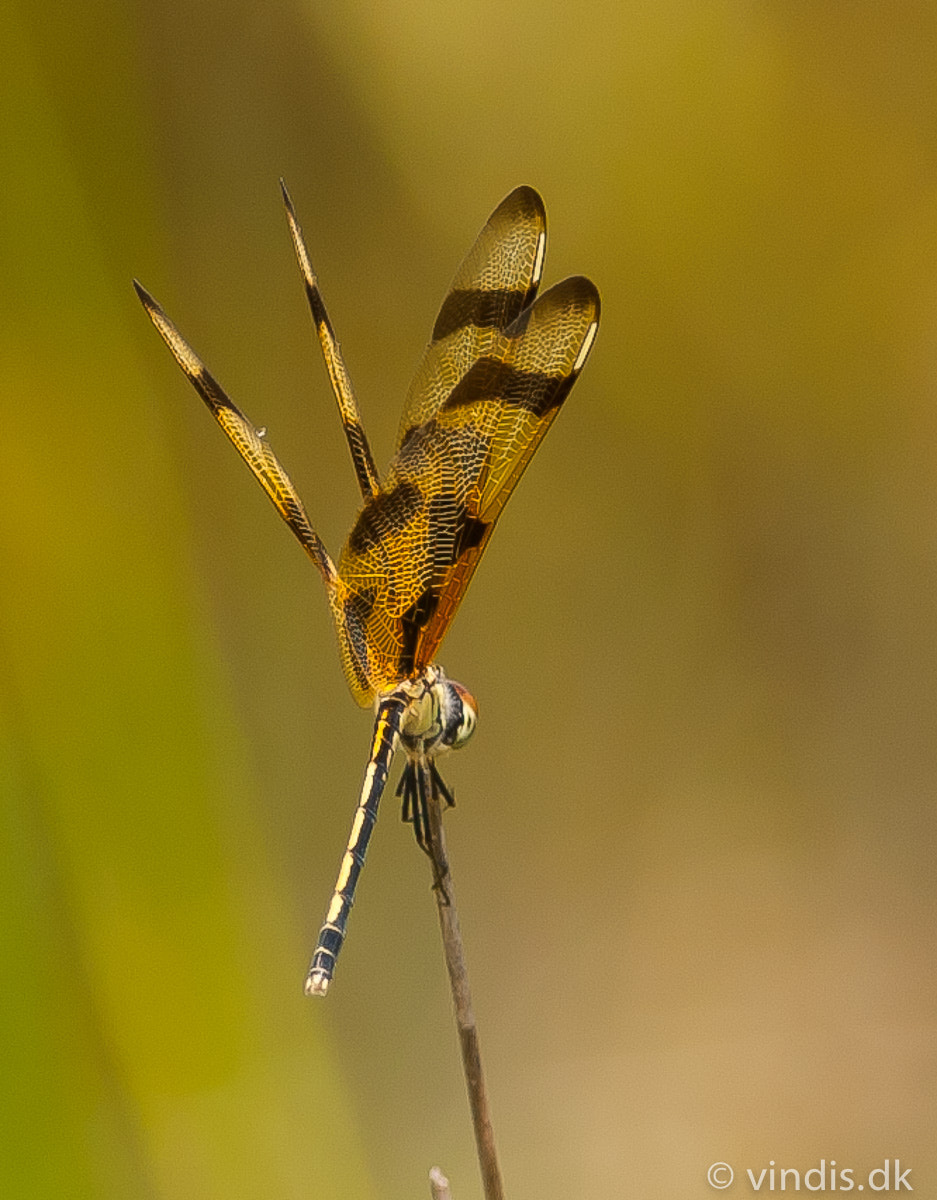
x=465, y=716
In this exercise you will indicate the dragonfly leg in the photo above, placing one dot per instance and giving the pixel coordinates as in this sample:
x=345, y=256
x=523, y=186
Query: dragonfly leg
x=427, y=778
x=439, y=788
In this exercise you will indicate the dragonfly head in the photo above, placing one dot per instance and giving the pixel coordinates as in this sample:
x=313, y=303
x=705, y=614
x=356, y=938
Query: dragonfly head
x=440, y=714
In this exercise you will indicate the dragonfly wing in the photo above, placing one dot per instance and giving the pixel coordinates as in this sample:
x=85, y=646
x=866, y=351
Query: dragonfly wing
x=416, y=544
x=403, y=537
x=496, y=281
x=499, y=413
x=361, y=458
x=249, y=443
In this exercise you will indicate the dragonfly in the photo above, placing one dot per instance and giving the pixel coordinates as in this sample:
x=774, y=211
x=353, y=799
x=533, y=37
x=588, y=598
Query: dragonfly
x=500, y=363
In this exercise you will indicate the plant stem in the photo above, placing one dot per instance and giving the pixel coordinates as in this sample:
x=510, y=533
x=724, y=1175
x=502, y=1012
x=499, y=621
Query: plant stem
x=462, y=1000
x=439, y=1185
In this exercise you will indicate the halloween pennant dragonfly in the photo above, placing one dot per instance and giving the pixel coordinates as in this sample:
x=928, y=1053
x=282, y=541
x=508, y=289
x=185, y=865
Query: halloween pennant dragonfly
x=492, y=379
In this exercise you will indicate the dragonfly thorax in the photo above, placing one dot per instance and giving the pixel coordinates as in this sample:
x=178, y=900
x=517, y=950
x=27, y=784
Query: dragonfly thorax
x=440, y=714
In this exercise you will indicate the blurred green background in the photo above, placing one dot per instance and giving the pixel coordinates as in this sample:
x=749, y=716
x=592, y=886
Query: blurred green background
x=695, y=839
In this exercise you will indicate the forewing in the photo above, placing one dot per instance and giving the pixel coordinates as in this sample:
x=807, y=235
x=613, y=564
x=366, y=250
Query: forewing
x=497, y=280
x=415, y=546
x=506, y=403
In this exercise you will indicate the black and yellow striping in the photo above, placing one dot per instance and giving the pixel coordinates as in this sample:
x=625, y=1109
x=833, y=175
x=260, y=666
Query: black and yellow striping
x=332, y=933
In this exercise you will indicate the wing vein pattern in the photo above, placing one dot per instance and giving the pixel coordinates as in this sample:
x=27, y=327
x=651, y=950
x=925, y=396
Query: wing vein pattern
x=490, y=383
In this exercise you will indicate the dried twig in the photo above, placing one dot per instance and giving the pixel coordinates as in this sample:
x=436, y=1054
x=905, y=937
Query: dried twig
x=462, y=1000
x=439, y=1185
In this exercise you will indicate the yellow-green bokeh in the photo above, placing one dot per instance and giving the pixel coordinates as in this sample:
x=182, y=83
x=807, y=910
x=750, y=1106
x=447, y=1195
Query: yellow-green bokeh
x=695, y=835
